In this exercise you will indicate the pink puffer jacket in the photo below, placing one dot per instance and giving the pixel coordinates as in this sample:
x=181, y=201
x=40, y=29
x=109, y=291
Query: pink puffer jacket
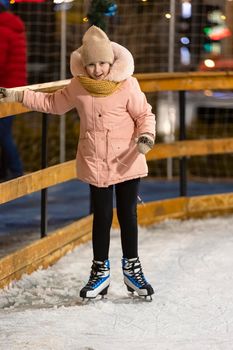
x=107, y=153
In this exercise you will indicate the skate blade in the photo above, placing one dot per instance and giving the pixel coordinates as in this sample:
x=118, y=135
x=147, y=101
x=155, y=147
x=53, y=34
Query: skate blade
x=147, y=298
x=131, y=291
x=102, y=295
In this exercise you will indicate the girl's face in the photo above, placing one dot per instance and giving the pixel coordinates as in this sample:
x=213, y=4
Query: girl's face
x=98, y=71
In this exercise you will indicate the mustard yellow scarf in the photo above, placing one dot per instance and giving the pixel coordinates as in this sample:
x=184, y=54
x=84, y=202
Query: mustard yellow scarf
x=98, y=88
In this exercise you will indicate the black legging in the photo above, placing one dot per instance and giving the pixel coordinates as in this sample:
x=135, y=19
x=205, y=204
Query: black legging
x=102, y=206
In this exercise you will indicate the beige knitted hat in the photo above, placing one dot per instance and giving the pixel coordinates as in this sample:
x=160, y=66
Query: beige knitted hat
x=96, y=47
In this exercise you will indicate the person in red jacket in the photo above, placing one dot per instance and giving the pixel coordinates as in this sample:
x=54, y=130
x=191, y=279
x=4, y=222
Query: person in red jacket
x=12, y=74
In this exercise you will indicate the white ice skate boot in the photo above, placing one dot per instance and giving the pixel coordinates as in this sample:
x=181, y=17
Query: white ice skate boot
x=99, y=280
x=134, y=278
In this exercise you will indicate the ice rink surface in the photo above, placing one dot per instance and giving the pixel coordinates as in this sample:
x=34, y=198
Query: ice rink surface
x=189, y=263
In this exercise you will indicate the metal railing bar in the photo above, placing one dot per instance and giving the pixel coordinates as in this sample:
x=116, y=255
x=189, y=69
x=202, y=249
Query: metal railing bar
x=44, y=164
x=182, y=136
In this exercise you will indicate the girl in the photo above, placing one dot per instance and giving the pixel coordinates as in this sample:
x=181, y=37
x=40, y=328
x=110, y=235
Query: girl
x=113, y=114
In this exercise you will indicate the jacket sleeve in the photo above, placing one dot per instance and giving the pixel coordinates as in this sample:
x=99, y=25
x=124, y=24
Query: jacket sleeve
x=58, y=102
x=140, y=110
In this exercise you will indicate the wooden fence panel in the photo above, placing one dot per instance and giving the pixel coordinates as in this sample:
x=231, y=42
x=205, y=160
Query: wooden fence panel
x=63, y=172
x=36, y=181
x=149, y=82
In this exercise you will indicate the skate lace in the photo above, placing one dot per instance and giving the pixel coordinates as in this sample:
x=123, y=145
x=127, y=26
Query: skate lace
x=97, y=272
x=136, y=271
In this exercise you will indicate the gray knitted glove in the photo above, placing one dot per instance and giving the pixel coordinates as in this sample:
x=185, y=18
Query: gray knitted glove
x=10, y=95
x=145, y=143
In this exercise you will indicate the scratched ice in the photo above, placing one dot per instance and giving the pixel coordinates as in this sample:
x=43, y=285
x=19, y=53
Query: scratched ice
x=189, y=263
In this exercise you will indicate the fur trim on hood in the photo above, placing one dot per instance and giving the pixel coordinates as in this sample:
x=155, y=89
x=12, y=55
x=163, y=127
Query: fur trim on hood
x=121, y=69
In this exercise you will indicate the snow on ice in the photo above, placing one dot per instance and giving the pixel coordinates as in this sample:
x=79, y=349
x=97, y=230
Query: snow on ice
x=189, y=263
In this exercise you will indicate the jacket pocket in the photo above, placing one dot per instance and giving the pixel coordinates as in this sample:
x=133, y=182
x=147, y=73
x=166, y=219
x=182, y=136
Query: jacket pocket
x=86, y=148
x=121, y=146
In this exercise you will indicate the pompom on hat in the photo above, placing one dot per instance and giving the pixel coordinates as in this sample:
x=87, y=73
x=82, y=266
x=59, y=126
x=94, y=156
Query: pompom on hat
x=5, y=3
x=96, y=47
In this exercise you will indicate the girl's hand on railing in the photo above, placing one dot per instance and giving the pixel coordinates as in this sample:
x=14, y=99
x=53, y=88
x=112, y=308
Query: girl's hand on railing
x=10, y=95
x=145, y=143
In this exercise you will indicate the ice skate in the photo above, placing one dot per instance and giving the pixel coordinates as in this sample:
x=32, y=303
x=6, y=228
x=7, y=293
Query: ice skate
x=98, y=281
x=134, y=278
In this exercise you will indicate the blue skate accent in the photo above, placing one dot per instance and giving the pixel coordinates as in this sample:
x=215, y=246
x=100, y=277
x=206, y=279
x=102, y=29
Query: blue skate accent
x=107, y=264
x=135, y=282
x=134, y=273
x=100, y=281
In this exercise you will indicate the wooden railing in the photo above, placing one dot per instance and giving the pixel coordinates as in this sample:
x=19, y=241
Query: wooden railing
x=149, y=82
x=191, y=148
x=56, y=174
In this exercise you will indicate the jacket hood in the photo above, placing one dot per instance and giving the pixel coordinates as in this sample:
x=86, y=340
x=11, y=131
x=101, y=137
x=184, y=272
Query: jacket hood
x=121, y=69
x=10, y=20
